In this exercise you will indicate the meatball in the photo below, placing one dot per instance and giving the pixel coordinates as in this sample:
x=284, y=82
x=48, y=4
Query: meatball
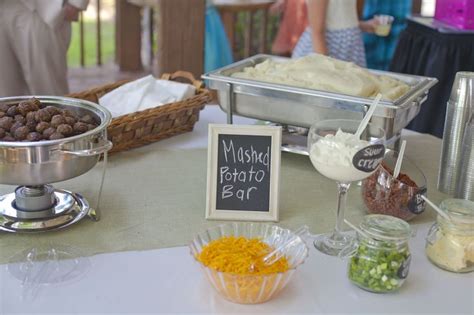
x=53, y=110
x=34, y=136
x=80, y=127
x=2, y=133
x=42, y=126
x=70, y=120
x=25, y=107
x=31, y=124
x=57, y=120
x=8, y=137
x=64, y=129
x=21, y=133
x=56, y=135
x=6, y=122
x=36, y=103
x=12, y=111
x=48, y=132
x=15, y=126
x=42, y=115
x=69, y=113
x=4, y=107
x=20, y=118
x=87, y=119
x=30, y=116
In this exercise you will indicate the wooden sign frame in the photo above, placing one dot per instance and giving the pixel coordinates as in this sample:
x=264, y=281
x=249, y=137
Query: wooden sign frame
x=212, y=168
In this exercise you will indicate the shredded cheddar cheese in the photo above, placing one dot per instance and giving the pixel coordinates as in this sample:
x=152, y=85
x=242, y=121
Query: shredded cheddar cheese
x=237, y=255
x=229, y=261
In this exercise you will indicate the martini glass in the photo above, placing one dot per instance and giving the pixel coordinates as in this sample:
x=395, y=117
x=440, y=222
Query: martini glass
x=345, y=159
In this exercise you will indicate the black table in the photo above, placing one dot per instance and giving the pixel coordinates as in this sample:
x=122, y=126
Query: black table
x=428, y=49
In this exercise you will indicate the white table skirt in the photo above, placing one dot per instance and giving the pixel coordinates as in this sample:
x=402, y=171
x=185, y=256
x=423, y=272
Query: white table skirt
x=169, y=281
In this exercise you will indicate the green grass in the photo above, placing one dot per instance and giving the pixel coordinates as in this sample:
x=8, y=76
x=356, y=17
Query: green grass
x=108, y=43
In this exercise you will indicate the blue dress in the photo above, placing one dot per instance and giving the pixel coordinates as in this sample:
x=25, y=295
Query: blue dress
x=217, y=51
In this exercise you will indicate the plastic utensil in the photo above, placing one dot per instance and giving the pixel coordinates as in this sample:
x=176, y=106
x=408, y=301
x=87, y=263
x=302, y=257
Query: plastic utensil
x=398, y=165
x=435, y=207
x=368, y=115
x=277, y=253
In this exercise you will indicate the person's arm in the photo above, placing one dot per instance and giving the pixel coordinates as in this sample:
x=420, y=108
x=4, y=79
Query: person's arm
x=317, y=21
x=73, y=7
x=368, y=26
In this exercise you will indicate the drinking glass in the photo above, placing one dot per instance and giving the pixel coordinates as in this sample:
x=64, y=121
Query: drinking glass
x=343, y=161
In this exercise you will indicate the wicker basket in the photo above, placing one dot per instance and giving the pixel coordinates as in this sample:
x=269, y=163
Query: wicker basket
x=150, y=125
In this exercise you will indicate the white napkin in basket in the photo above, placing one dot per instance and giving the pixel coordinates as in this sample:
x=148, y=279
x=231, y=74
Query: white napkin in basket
x=145, y=93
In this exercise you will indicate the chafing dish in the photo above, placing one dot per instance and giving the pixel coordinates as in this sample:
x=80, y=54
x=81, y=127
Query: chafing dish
x=302, y=107
x=35, y=205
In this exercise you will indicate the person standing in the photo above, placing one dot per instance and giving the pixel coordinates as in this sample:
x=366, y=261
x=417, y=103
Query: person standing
x=294, y=20
x=379, y=50
x=334, y=30
x=34, y=37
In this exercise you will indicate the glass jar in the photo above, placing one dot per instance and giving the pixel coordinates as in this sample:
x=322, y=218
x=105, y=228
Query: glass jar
x=381, y=261
x=450, y=243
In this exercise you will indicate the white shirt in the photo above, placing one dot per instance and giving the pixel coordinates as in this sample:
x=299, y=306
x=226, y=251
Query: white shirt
x=50, y=11
x=341, y=14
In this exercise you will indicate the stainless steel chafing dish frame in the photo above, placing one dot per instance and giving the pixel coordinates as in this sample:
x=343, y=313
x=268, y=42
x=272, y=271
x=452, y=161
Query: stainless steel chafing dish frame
x=302, y=107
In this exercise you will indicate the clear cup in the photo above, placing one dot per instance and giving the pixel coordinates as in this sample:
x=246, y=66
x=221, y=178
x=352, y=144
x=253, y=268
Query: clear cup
x=384, y=24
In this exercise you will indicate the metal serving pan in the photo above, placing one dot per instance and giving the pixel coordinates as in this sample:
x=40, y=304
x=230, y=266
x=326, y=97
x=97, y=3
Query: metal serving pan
x=302, y=107
x=50, y=161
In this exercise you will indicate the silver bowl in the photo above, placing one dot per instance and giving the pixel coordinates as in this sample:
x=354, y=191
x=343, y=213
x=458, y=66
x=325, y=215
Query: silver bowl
x=44, y=162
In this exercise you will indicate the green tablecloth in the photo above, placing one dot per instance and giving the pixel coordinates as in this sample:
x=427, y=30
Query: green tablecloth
x=155, y=198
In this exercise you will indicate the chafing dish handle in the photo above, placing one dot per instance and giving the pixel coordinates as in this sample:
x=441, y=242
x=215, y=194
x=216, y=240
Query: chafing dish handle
x=98, y=148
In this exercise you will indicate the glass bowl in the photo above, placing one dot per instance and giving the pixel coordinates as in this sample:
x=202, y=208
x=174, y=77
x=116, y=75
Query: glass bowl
x=401, y=198
x=251, y=289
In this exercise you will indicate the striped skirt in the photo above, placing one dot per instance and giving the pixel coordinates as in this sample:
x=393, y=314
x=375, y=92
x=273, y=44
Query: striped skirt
x=345, y=44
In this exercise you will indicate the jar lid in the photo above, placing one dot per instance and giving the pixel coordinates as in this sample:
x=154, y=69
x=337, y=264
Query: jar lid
x=385, y=227
x=461, y=211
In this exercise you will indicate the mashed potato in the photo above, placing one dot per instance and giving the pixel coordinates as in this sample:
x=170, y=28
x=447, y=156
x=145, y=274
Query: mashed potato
x=324, y=73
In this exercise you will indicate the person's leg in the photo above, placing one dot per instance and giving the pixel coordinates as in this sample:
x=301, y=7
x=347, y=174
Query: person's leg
x=41, y=51
x=11, y=76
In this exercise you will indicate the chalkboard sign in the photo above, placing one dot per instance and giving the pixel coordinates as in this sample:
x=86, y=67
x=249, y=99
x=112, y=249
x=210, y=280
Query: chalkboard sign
x=243, y=172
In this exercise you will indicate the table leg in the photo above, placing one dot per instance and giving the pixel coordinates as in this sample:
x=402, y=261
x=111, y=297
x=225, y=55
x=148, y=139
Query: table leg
x=230, y=102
